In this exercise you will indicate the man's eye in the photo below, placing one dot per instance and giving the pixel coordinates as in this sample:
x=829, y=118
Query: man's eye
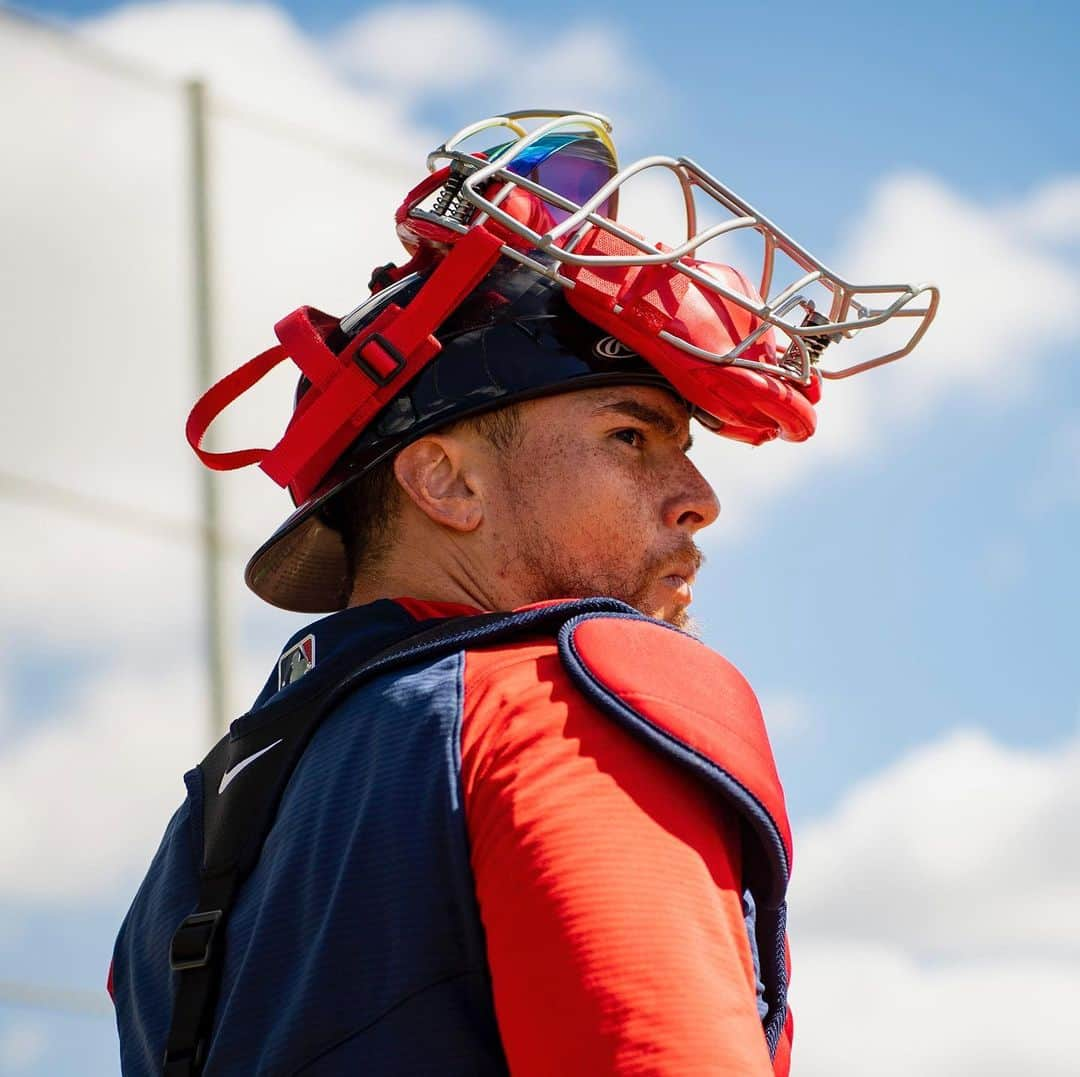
x=631, y=437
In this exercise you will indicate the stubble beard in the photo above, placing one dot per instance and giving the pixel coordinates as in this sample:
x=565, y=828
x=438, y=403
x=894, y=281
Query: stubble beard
x=556, y=576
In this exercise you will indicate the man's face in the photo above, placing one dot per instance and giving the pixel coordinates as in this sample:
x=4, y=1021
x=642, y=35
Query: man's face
x=600, y=498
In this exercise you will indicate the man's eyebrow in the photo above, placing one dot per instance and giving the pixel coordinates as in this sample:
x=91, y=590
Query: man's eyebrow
x=646, y=414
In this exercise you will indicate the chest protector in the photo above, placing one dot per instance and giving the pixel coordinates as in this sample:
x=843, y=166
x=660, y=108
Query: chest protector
x=661, y=685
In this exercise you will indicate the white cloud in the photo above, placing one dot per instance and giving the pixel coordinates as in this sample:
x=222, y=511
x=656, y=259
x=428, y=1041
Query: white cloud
x=430, y=49
x=22, y=1044
x=418, y=48
x=255, y=57
x=1003, y=292
x=933, y=916
x=97, y=280
x=85, y=793
x=960, y=849
x=1053, y=213
x=788, y=716
x=592, y=60
x=863, y=1008
x=93, y=585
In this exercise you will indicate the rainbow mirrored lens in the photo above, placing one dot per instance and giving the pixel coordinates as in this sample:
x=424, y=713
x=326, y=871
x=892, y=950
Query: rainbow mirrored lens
x=575, y=166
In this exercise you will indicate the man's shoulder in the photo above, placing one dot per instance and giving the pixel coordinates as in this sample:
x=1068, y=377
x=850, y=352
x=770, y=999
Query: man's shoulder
x=629, y=650
x=517, y=684
x=600, y=660
x=514, y=659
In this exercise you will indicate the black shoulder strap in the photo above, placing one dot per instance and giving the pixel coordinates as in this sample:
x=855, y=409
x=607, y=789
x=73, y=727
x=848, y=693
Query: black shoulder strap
x=237, y=817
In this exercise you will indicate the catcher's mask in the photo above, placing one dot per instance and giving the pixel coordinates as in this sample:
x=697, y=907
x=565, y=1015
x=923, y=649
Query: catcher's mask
x=522, y=282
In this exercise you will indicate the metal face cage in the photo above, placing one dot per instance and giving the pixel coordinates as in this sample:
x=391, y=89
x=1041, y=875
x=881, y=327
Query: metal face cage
x=807, y=325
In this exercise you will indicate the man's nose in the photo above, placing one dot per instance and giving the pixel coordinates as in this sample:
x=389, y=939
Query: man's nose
x=696, y=505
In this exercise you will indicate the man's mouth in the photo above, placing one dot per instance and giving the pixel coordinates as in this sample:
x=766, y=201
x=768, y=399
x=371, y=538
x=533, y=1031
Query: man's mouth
x=680, y=574
x=681, y=582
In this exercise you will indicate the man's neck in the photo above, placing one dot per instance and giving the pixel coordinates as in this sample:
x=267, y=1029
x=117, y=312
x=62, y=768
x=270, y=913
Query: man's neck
x=431, y=578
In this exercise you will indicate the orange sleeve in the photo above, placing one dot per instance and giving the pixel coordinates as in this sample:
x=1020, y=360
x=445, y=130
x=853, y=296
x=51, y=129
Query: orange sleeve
x=608, y=884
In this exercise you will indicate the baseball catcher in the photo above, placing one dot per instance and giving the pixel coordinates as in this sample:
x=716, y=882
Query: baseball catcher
x=497, y=810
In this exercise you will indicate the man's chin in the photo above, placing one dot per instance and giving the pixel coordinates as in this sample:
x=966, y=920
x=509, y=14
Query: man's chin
x=670, y=601
x=680, y=618
x=675, y=614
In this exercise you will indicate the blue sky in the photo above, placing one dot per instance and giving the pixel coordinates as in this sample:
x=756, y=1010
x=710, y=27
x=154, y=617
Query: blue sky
x=981, y=94
x=921, y=582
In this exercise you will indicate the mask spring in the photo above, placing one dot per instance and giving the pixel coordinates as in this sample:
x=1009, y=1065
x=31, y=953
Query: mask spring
x=449, y=202
x=814, y=345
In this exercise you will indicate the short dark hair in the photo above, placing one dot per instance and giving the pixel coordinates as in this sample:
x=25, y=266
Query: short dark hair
x=367, y=510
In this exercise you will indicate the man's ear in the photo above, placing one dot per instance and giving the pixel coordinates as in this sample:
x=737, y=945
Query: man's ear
x=435, y=472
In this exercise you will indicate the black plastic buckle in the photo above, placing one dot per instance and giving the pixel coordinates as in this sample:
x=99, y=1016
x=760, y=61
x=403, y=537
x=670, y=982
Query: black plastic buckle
x=381, y=277
x=192, y=942
x=369, y=370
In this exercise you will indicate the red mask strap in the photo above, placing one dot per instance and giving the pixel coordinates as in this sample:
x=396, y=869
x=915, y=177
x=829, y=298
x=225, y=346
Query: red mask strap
x=347, y=389
x=217, y=398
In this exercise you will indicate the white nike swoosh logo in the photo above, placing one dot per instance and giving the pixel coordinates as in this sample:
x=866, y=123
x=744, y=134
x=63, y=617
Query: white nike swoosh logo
x=236, y=768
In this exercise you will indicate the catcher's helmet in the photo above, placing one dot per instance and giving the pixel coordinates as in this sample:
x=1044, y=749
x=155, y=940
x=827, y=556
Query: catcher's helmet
x=522, y=284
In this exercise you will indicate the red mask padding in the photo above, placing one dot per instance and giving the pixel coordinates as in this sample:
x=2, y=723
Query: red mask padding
x=523, y=206
x=754, y=407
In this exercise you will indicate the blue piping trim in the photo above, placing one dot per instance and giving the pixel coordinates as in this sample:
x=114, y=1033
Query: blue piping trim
x=772, y=914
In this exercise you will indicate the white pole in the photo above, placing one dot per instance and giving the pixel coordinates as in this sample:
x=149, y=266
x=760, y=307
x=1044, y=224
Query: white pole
x=210, y=497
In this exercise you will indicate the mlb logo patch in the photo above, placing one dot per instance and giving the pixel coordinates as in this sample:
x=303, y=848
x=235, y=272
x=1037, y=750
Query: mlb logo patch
x=296, y=661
